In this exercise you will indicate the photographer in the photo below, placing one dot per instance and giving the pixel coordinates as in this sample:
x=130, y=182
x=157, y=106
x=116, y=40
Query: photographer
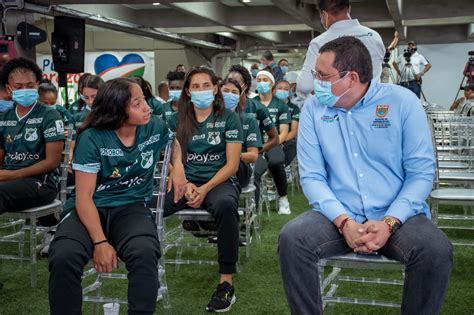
x=409, y=67
x=459, y=105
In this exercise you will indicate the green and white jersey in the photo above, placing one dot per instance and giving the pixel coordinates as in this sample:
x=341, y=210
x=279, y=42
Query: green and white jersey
x=168, y=111
x=278, y=111
x=156, y=106
x=65, y=114
x=206, y=150
x=251, y=133
x=261, y=114
x=294, y=112
x=74, y=107
x=80, y=117
x=124, y=174
x=24, y=139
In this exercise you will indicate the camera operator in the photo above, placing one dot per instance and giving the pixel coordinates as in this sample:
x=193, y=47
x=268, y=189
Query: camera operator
x=463, y=104
x=411, y=66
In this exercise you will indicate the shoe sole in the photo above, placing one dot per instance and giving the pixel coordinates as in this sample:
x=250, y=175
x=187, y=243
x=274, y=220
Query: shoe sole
x=234, y=298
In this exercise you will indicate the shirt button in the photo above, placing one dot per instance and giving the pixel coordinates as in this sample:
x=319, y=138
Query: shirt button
x=352, y=133
x=349, y=113
x=365, y=196
x=361, y=175
x=356, y=155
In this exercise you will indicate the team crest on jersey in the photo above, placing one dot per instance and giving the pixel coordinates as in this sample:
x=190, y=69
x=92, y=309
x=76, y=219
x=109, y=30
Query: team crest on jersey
x=214, y=137
x=31, y=134
x=115, y=173
x=147, y=159
x=381, y=111
x=9, y=139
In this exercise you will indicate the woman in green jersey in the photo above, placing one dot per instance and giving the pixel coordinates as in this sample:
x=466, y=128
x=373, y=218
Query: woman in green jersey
x=106, y=218
x=90, y=86
x=211, y=141
x=79, y=104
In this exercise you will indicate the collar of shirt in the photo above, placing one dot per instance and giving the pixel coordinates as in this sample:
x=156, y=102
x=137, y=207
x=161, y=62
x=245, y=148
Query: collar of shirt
x=344, y=24
x=365, y=99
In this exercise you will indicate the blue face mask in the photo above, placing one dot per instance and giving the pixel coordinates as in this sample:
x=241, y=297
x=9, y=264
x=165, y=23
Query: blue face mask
x=202, y=99
x=25, y=97
x=284, y=69
x=5, y=105
x=282, y=95
x=263, y=87
x=254, y=72
x=323, y=92
x=175, y=95
x=231, y=100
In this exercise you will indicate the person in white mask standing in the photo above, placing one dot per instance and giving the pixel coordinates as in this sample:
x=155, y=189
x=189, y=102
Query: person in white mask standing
x=336, y=19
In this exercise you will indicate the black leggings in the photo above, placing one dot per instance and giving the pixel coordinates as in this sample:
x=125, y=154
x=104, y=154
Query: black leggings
x=222, y=203
x=24, y=193
x=244, y=173
x=131, y=230
x=289, y=147
x=275, y=162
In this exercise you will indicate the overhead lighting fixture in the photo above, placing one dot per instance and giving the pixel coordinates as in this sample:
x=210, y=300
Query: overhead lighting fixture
x=246, y=1
x=156, y=3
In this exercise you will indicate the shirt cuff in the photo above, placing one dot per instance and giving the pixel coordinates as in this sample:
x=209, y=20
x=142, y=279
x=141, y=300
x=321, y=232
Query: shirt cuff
x=331, y=209
x=401, y=210
x=92, y=168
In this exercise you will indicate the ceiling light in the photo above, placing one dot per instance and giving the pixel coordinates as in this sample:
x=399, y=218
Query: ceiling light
x=156, y=3
x=246, y=1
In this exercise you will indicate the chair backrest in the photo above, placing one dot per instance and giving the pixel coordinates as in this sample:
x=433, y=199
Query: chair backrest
x=63, y=168
x=161, y=193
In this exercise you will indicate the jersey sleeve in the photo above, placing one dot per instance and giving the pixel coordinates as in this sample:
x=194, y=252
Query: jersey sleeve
x=233, y=129
x=254, y=138
x=161, y=128
x=171, y=121
x=263, y=115
x=53, y=126
x=86, y=154
x=284, y=116
x=295, y=114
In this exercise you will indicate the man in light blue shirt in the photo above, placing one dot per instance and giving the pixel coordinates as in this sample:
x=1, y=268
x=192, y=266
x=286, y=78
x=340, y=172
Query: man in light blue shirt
x=366, y=166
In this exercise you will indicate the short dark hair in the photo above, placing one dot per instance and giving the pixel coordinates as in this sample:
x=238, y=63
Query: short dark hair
x=175, y=76
x=19, y=65
x=245, y=75
x=282, y=59
x=267, y=54
x=109, y=111
x=351, y=55
x=47, y=87
x=333, y=6
x=161, y=86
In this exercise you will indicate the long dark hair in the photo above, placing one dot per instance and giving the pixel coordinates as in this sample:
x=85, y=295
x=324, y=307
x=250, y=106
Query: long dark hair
x=146, y=87
x=241, y=105
x=109, y=111
x=186, y=116
x=88, y=81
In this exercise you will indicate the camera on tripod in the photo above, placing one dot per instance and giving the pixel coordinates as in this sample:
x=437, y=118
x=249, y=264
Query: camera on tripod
x=471, y=56
x=386, y=57
x=407, y=54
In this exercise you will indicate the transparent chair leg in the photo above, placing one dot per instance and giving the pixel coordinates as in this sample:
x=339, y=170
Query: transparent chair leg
x=33, y=251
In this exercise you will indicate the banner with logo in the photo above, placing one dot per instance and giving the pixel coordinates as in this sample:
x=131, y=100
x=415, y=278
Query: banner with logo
x=108, y=65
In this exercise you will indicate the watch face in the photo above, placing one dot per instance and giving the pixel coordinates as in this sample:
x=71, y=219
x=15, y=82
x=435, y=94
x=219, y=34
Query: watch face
x=395, y=227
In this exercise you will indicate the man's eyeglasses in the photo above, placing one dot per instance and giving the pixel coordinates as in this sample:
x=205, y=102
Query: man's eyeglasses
x=317, y=75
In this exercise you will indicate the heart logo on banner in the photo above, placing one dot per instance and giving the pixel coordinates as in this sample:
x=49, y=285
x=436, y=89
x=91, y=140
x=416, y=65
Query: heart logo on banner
x=107, y=66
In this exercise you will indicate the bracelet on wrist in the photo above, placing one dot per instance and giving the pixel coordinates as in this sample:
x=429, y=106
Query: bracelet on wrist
x=343, y=224
x=100, y=242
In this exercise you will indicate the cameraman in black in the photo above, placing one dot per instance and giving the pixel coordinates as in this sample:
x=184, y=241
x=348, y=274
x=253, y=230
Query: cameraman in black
x=411, y=66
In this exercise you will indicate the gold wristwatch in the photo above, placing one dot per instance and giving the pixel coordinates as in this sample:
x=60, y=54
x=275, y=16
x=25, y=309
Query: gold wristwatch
x=392, y=223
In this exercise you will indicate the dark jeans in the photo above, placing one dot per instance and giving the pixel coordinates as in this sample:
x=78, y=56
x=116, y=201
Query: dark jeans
x=222, y=203
x=275, y=162
x=424, y=250
x=289, y=148
x=414, y=86
x=24, y=193
x=131, y=230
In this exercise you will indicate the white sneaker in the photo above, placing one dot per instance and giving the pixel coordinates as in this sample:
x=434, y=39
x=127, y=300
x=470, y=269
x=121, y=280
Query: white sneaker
x=283, y=206
x=45, y=244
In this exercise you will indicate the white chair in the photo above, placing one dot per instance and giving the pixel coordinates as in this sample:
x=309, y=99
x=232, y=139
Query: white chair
x=31, y=215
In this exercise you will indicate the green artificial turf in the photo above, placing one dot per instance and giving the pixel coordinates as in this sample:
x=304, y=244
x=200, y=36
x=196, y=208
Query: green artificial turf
x=258, y=285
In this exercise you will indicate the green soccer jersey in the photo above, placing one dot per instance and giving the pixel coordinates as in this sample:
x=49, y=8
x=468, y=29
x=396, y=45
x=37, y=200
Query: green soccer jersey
x=206, y=150
x=124, y=174
x=24, y=139
x=168, y=111
x=156, y=106
x=278, y=111
x=65, y=114
x=74, y=107
x=80, y=118
x=261, y=114
x=294, y=112
x=251, y=133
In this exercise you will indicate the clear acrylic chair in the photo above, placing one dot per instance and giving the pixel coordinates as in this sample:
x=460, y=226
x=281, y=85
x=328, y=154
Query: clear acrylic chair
x=24, y=221
x=93, y=292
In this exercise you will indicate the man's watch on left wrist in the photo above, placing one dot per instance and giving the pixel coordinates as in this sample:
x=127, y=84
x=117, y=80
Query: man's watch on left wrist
x=393, y=224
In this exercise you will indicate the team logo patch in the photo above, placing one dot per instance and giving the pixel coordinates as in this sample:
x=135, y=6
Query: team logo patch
x=9, y=139
x=115, y=173
x=147, y=159
x=60, y=126
x=214, y=137
x=381, y=111
x=31, y=134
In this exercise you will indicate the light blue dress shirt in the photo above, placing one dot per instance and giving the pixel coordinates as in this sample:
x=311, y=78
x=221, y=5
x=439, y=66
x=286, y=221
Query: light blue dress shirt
x=373, y=160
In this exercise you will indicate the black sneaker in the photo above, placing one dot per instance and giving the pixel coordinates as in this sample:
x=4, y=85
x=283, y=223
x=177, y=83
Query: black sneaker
x=222, y=299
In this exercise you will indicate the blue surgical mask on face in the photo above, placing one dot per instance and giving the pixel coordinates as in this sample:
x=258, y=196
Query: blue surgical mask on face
x=284, y=69
x=231, y=100
x=25, y=97
x=5, y=105
x=323, y=92
x=282, y=95
x=202, y=99
x=254, y=72
x=263, y=87
x=175, y=94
